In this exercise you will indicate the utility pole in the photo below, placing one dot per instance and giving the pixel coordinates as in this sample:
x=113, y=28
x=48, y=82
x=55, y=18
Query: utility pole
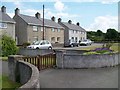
x=43, y=22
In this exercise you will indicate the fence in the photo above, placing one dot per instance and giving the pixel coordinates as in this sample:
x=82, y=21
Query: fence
x=42, y=61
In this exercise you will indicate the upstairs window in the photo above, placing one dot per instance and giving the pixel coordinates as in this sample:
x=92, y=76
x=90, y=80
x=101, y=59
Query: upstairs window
x=58, y=30
x=3, y=25
x=35, y=28
x=53, y=30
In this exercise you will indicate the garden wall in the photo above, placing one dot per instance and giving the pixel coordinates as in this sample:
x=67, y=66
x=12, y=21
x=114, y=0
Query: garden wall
x=34, y=52
x=23, y=72
x=75, y=60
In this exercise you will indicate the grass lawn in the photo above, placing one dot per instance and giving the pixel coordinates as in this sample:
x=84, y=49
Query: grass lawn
x=115, y=47
x=6, y=83
x=4, y=58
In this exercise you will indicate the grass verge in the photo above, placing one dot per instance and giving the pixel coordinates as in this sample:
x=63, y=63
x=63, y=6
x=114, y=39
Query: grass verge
x=5, y=83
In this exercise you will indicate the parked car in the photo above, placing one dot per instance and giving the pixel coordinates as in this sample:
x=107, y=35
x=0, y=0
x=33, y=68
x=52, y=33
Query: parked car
x=73, y=44
x=43, y=44
x=86, y=42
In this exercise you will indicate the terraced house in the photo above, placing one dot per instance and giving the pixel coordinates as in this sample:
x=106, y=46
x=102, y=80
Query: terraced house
x=7, y=24
x=30, y=28
x=72, y=32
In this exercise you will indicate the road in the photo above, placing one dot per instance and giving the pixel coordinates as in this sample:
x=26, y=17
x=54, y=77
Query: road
x=71, y=48
x=79, y=78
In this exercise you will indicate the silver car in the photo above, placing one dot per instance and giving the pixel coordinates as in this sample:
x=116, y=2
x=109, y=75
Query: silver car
x=43, y=44
x=86, y=42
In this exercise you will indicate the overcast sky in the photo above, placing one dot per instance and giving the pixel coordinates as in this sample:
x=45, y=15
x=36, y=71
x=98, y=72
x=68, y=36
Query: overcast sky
x=91, y=14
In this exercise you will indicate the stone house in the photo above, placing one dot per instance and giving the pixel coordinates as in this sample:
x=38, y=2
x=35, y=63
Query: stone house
x=7, y=24
x=72, y=32
x=30, y=28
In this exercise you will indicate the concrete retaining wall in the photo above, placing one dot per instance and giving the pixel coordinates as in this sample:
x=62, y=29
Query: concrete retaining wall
x=67, y=60
x=23, y=72
x=33, y=52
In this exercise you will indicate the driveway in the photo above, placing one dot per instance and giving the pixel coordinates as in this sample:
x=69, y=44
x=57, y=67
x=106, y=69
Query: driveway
x=79, y=78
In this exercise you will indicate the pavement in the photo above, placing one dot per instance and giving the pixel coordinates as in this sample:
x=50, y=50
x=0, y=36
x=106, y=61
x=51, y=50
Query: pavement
x=75, y=78
x=79, y=78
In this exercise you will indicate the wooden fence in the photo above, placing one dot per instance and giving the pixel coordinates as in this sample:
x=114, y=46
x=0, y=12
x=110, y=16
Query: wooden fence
x=42, y=61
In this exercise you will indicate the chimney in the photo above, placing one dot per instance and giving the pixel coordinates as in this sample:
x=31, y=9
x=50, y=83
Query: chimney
x=70, y=22
x=3, y=9
x=53, y=18
x=17, y=11
x=78, y=23
x=59, y=20
x=37, y=15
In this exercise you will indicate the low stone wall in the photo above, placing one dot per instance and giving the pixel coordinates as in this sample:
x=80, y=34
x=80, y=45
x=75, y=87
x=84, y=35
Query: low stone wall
x=67, y=60
x=34, y=52
x=23, y=72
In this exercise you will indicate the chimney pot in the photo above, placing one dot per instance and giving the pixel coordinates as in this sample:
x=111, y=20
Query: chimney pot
x=37, y=15
x=3, y=9
x=70, y=22
x=53, y=18
x=17, y=11
x=78, y=24
x=59, y=20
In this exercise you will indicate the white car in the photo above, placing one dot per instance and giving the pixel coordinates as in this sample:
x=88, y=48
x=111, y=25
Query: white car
x=43, y=44
x=86, y=42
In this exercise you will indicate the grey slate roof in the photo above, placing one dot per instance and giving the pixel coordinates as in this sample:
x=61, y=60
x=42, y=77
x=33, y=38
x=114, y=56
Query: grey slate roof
x=34, y=21
x=31, y=20
x=6, y=18
x=73, y=26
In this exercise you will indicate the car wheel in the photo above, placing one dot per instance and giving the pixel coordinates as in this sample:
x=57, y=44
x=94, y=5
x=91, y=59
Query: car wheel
x=49, y=47
x=37, y=48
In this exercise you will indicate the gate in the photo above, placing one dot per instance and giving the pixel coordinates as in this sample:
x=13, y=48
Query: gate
x=42, y=61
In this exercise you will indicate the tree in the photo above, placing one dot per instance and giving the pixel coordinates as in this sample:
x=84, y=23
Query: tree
x=8, y=46
x=99, y=33
x=111, y=35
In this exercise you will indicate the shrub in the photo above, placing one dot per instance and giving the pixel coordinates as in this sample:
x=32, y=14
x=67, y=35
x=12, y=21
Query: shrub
x=8, y=46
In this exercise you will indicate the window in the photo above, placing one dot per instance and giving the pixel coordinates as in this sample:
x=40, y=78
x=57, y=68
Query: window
x=35, y=28
x=72, y=39
x=76, y=31
x=73, y=31
x=53, y=29
x=3, y=25
x=76, y=39
x=42, y=28
x=35, y=38
x=58, y=39
x=58, y=30
x=53, y=39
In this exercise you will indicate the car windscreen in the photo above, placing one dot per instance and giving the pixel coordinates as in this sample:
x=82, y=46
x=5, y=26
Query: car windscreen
x=36, y=43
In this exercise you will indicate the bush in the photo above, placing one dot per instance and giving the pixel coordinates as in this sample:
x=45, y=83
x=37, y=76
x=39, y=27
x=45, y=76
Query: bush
x=8, y=46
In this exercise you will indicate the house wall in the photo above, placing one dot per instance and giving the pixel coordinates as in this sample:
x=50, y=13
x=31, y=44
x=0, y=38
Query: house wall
x=9, y=31
x=20, y=30
x=49, y=34
x=32, y=34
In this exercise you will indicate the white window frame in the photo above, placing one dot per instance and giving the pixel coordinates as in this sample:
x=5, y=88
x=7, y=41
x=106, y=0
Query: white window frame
x=3, y=25
x=35, y=28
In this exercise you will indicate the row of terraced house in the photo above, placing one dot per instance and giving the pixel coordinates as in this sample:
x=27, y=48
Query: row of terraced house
x=24, y=28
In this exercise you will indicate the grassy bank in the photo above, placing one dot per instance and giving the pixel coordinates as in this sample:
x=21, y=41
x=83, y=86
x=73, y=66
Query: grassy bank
x=6, y=83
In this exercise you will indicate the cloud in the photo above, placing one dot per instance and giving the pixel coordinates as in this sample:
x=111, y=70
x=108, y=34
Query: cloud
x=59, y=6
x=103, y=23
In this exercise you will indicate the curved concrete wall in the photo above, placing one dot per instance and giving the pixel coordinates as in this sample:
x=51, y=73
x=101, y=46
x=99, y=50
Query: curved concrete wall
x=23, y=72
x=67, y=60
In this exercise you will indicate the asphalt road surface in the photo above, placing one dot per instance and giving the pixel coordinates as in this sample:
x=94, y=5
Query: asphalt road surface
x=79, y=78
